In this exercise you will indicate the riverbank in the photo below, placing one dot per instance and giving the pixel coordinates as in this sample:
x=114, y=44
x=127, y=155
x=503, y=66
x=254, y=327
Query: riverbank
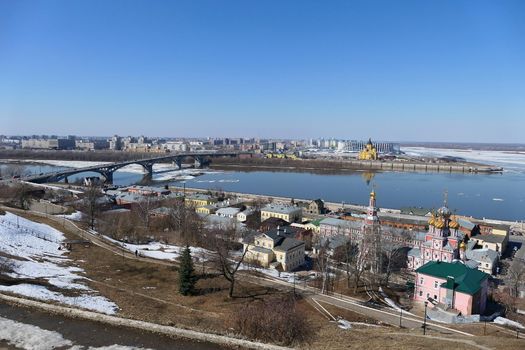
x=355, y=165
x=333, y=206
x=413, y=165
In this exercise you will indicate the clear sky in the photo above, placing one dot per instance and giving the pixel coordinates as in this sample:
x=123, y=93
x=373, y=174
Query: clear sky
x=432, y=70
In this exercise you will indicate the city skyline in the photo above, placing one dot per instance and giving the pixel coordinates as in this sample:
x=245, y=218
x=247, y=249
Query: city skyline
x=406, y=71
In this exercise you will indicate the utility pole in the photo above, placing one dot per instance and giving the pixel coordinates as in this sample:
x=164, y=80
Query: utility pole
x=294, y=284
x=425, y=319
x=400, y=317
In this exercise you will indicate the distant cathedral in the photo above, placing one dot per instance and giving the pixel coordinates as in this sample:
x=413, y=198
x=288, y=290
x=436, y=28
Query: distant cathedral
x=369, y=152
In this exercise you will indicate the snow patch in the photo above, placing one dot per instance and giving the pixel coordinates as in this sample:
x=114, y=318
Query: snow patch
x=344, y=324
x=506, y=322
x=27, y=336
x=38, y=254
x=76, y=216
x=162, y=251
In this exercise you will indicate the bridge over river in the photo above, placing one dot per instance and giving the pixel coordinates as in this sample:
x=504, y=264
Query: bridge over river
x=107, y=170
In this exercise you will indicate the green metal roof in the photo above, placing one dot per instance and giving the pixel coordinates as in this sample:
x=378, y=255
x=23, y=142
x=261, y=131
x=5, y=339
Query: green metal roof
x=466, y=280
x=316, y=222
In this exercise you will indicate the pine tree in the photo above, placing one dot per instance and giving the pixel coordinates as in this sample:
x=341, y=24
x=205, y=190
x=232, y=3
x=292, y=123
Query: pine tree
x=187, y=276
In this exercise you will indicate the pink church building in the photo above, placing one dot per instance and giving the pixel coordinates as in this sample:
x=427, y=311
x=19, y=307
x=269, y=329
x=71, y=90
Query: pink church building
x=442, y=241
x=453, y=286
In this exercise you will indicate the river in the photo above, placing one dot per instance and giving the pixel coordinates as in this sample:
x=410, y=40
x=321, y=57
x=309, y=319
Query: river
x=496, y=196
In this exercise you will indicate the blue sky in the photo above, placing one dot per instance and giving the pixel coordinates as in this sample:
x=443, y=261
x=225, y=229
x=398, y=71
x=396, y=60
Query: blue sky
x=398, y=70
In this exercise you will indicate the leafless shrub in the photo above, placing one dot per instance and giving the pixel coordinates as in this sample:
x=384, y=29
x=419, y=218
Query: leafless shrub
x=275, y=320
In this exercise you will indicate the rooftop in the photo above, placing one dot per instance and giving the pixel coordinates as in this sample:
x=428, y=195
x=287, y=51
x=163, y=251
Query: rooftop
x=490, y=238
x=281, y=209
x=465, y=279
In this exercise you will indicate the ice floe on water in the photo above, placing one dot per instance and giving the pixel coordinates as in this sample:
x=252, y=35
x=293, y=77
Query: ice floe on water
x=36, y=255
x=510, y=161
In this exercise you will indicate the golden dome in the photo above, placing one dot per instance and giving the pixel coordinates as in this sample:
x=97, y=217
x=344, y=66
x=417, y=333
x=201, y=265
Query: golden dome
x=440, y=224
x=462, y=246
x=431, y=221
x=373, y=194
x=454, y=224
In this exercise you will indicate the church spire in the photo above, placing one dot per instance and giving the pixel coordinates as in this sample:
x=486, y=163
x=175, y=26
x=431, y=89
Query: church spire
x=371, y=211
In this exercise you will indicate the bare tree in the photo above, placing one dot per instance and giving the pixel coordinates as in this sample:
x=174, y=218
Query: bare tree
x=358, y=265
x=91, y=204
x=186, y=222
x=275, y=320
x=323, y=267
x=516, y=276
x=143, y=209
x=223, y=245
x=346, y=255
x=21, y=195
x=393, y=253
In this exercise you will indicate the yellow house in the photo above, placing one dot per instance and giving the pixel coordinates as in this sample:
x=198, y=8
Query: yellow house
x=275, y=249
x=200, y=200
x=207, y=209
x=286, y=212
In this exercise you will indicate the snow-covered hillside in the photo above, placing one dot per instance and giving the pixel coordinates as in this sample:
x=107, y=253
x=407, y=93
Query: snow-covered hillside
x=34, y=250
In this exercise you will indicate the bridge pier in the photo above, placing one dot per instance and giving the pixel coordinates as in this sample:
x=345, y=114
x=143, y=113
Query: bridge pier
x=178, y=161
x=201, y=162
x=66, y=180
x=149, y=168
x=108, y=176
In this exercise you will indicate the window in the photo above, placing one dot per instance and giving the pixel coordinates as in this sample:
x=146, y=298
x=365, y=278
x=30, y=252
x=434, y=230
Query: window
x=435, y=284
x=435, y=297
x=420, y=293
x=421, y=280
x=428, y=295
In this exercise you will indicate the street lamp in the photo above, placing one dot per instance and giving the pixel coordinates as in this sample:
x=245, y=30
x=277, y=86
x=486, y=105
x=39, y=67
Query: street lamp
x=425, y=319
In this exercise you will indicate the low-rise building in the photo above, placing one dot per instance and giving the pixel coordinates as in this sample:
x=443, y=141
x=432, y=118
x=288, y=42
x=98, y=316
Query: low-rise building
x=207, y=209
x=315, y=207
x=272, y=224
x=228, y=212
x=245, y=215
x=485, y=260
x=333, y=226
x=496, y=242
x=275, y=249
x=200, y=199
x=288, y=213
x=453, y=285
